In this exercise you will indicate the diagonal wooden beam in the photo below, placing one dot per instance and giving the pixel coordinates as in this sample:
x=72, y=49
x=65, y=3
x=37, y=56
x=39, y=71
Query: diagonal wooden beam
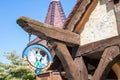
x=109, y=57
x=45, y=31
x=69, y=65
x=116, y=69
x=81, y=67
x=86, y=16
x=77, y=14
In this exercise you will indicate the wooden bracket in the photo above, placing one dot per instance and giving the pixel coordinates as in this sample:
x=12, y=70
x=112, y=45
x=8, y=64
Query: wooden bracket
x=70, y=68
x=109, y=57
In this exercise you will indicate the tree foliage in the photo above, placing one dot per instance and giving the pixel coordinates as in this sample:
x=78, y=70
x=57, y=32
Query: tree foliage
x=16, y=70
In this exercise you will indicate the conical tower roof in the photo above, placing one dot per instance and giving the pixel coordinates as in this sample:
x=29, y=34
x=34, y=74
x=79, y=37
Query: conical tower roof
x=55, y=16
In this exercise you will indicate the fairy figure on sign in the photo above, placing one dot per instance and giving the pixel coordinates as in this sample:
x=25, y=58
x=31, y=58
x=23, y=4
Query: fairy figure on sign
x=39, y=57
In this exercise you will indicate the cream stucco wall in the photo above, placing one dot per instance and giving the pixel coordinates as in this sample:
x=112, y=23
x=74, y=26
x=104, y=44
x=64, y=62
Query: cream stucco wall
x=101, y=25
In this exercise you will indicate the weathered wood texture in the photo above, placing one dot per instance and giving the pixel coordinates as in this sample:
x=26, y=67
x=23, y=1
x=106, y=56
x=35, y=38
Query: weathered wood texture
x=116, y=69
x=70, y=68
x=97, y=46
x=116, y=8
x=85, y=17
x=78, y=13
x=109, y=57
x=81, y=67
x=45, y=31
x=117, y=13
x=110, y=5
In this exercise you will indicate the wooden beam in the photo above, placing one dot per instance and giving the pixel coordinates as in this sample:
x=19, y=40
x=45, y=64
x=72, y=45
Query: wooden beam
x=109, y=57
x=117, y=13
x=116, y=69
x=70, y=68
x=110, y=5
x=85, y=17
x=82, y=68
x=97, y=46
x=83, y=4
x=45, y=31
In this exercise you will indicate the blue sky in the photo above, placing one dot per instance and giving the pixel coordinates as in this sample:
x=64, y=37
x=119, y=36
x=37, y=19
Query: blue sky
x=12, y=36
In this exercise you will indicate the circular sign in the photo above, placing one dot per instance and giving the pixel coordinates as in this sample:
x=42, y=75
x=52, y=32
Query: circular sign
x=38, y=56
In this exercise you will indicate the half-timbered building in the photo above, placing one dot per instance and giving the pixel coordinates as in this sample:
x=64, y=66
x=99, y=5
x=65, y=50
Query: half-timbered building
x=87, y=47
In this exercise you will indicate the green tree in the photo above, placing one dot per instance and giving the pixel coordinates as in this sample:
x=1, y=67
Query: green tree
x=16, y=70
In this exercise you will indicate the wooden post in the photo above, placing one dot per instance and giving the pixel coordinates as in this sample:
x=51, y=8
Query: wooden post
x=82, y=68
x=108, y=59
x=69, y=66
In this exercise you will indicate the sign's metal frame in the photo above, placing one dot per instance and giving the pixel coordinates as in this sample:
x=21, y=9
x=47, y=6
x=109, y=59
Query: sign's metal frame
x=42, y=47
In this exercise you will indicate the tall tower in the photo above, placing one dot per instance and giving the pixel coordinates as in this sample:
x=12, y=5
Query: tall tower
x=55, y=16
